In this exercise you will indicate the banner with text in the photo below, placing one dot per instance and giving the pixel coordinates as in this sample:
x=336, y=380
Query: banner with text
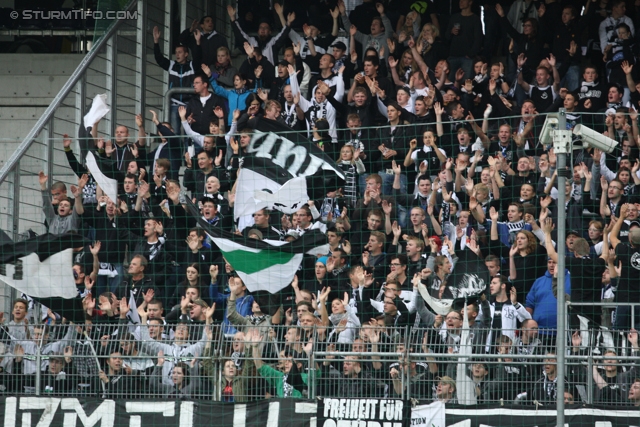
x=74, y=412
x=363, y=412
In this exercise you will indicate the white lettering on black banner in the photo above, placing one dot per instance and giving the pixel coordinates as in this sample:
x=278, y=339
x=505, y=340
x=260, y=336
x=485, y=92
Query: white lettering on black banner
x=285, y=153
x=362, y=413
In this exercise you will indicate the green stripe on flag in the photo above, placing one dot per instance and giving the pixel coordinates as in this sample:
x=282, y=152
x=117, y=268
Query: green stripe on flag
x=251, y=262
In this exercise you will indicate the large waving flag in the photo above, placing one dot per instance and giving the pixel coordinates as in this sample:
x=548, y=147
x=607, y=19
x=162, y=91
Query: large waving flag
x=42, y=268
x=263, y=184
x=290, y=149
x=282, y=171
x=263, y=265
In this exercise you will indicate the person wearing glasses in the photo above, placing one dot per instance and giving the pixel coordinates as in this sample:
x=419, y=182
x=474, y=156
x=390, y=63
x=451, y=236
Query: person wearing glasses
x=446, y=339
x=398, y=267
x=612, y=197
x=594, y=231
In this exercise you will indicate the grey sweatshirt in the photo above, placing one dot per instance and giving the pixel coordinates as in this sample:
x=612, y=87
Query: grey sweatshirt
x=57, y=224
x=368, y=40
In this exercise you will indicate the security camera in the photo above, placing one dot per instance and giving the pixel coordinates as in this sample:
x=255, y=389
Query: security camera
x=550, y=125
x=594, y=139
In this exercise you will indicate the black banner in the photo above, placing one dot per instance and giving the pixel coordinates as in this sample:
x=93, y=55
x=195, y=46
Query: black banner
x=364, y=412
x=528, y=416
x=74, y=412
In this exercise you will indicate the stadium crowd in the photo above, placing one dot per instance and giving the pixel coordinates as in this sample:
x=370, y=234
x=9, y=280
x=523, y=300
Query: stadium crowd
x=434, y=116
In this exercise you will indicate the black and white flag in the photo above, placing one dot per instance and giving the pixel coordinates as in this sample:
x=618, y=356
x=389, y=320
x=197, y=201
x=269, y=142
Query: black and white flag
x=282, y=171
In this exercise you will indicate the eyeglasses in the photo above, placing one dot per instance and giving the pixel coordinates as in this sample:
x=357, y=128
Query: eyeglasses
x=615, y=188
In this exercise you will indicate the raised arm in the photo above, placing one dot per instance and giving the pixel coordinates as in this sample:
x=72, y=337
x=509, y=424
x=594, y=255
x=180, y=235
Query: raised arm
x=78, y=207
x=322, y=306
x=439, y=110
x=604, y=205
x=615, y=231
x=142, y=134
x=47, y=206
x=627, y=69
x=255, y=342
x=547, y=227
x=521, y=61
x=556, y=74
x=394, y=72
x=339, y=96
x=295, y=89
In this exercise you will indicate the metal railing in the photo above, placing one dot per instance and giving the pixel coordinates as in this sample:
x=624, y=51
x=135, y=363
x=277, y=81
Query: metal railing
x=213, y=366
x=116, y=65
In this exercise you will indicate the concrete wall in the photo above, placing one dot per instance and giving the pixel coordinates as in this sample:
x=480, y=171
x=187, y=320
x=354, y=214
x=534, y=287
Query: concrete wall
x=30, y=82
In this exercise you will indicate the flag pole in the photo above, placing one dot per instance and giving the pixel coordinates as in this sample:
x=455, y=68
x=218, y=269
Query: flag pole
x=95, y=355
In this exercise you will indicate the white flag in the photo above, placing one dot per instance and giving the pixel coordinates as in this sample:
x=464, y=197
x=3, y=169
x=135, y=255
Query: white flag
x=52, y=277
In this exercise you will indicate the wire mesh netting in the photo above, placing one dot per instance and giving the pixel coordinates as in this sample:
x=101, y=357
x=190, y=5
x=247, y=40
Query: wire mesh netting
x=358, y=290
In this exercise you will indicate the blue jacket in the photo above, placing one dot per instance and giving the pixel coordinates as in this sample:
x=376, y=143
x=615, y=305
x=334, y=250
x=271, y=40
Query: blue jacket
x=545, y=306
x=237, y=101
x=243, y=306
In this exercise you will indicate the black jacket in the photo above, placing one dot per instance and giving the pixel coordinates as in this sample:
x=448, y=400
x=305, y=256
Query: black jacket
x=139, y=288
x=107, y=232
x=180, y=75
x=209, y=44
x=203, y=114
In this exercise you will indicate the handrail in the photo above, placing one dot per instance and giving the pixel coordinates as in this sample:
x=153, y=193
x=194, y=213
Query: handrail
x=167, y=99
x=62, y=94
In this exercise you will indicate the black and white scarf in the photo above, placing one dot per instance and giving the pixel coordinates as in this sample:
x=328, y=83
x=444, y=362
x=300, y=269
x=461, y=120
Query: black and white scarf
x=289, y=115
x=514, y=227
x=317, y=111
x=355, y=141
x=256, y=320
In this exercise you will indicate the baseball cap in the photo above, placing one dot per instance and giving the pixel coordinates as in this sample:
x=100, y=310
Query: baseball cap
x=448, y=380
x=284, y=63
x=256, y=232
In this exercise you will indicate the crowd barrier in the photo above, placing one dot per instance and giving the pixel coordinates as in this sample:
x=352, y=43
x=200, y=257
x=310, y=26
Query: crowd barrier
x=279, y=361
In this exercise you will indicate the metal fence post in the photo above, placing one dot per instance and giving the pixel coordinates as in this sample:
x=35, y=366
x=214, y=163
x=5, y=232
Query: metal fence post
x=112, y=81
x=561, y=145
x=49, y=147
x=168, y=42
x=312, y=375
x=141, y=59
x=590, y=379
x=81, y=96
